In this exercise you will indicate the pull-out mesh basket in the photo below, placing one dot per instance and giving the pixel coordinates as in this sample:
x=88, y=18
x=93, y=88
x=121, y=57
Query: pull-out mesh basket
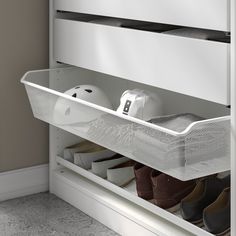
x=203, y=148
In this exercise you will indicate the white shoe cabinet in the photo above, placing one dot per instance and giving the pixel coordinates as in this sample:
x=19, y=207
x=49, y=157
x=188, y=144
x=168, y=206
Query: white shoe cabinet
x=189, y=74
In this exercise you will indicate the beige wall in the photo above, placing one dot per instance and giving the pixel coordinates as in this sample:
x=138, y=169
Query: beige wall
x=23, y=47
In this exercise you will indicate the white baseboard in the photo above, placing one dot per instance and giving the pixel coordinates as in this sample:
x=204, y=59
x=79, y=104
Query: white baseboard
x=22, y=182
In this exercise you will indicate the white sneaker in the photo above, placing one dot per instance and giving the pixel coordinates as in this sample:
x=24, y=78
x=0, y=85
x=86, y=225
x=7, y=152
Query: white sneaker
x=84, y=160
x=121, y=174
x=100, y=167
x=82, y=147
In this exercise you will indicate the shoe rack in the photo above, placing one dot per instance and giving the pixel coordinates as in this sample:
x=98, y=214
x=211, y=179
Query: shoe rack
x=190, y=75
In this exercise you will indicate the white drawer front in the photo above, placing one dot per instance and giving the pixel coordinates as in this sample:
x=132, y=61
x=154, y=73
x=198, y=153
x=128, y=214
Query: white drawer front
x=193, y=67
x=211, y=14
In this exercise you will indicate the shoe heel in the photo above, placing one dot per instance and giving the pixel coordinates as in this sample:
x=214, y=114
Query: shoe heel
x=225, y=233
x=198, y=223
x=174, y=208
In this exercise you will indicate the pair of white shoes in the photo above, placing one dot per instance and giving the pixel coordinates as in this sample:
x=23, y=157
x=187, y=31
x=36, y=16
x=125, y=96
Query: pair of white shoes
x=117, y=169
x=102, y=162
x=84, y=153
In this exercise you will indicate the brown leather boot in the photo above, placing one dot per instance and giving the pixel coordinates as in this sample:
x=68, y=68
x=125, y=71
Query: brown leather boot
x=143, y=181
x=168, y=191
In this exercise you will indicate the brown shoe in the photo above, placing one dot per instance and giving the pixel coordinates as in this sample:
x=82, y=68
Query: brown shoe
x=206, y=192
x=168, y=191
x=143, y=181
x=216, y=217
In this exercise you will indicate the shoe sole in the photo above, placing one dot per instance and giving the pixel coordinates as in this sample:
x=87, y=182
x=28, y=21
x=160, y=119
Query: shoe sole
x=126, y=183
x=174, y=208
x=198, y=223
x=225, y=233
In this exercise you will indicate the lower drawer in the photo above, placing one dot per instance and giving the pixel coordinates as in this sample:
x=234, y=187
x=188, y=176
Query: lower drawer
x=194, y=67
x=202, y=149
x=175, y=221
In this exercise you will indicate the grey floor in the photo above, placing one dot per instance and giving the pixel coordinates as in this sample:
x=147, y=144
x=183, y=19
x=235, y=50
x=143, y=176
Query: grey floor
x=44, y=214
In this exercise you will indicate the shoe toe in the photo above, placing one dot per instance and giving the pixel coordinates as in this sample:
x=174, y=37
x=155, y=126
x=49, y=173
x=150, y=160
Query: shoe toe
x=216, y=223
x=190, y=212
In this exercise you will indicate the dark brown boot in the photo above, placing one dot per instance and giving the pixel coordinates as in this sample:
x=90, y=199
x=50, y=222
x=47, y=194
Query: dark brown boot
x=143, y=181
x=168, y=191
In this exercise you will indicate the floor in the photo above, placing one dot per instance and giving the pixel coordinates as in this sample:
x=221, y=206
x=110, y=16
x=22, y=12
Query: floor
x=44, y=214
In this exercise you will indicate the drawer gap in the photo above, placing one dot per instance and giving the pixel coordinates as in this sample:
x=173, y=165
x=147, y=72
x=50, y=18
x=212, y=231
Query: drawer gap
x=170, y=29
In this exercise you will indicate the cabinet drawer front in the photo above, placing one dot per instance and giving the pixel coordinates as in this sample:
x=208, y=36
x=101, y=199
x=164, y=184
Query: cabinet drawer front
x=193, y=67
x=211, y=14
